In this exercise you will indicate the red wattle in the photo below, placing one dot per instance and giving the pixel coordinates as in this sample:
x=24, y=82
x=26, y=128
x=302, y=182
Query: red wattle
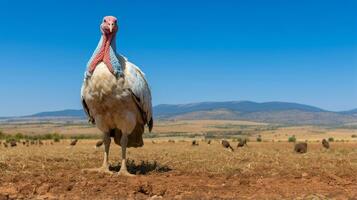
x=103, y=55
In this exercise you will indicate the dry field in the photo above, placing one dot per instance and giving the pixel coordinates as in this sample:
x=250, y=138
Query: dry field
x=81, y=127
x=169, y=129
x=265, y=170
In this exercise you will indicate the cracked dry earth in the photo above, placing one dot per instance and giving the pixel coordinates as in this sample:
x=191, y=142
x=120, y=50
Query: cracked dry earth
x=180, y=171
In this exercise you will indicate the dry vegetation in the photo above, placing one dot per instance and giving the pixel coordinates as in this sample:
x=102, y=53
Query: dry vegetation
x=196, y=128
x=262, y=170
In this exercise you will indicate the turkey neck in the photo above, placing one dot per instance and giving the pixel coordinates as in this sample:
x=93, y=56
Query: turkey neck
x=108, y=40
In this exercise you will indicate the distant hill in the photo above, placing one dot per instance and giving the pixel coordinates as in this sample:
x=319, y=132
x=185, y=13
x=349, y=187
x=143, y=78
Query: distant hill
x=166, y=110
x=350, y=112
x=297, y=117
x=62, y=113
x=271, y=112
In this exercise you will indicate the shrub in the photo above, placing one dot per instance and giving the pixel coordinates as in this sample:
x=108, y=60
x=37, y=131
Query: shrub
x=10, y=139
x=81, y=137
x=292, y=139
x=239, y=139
x=57, y=137
x=353, y=136
x=18, y=136
x=150, y=135
x=331, y=139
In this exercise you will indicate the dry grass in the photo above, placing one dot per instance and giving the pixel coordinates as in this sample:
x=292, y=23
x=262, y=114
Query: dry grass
x=181, y=129
x=196, y=126
x=309, y=133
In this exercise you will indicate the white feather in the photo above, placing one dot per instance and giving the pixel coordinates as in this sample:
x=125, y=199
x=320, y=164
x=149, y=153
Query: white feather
x=136, y=81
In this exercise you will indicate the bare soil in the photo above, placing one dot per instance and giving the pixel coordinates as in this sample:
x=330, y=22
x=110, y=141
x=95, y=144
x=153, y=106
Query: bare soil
x=267, y=170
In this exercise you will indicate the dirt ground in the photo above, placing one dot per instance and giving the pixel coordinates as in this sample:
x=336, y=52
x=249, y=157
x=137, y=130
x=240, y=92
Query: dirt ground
x=267, y=170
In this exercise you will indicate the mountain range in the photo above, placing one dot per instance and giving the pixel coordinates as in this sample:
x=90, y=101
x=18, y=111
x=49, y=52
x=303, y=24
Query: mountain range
x=271, y=112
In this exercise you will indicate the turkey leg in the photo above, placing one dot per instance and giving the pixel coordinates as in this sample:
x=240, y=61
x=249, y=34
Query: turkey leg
x=123, y=143
x=105, y=166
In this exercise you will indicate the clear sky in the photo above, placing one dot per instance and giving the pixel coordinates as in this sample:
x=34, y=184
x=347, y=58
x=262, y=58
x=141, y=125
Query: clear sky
x=296, y=51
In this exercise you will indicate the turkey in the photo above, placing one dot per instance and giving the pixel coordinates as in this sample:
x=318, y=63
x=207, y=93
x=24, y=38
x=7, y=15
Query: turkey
x=325, y=144
x=99, y=144
x=242, y=142
x=73, y=142
x=226, y=145
x=116, y=96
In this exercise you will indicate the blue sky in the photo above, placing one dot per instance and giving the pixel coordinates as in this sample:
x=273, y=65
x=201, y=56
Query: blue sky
x=297, y=51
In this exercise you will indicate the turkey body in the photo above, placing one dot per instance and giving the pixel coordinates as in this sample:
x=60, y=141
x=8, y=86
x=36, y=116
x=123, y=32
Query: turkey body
x=113, y=106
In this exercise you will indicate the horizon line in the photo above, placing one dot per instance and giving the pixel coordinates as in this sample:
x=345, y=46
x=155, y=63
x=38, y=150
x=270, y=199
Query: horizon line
x=324, y=110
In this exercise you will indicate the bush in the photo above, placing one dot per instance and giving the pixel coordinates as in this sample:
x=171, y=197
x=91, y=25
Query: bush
x=83, y=137
x=239, y=139
x=353, y=136
x=8, y=140
x=57, y=137
x=2, y=135
x=150, y=135
x=331, y=139
x=292, y=139
x=18, y=136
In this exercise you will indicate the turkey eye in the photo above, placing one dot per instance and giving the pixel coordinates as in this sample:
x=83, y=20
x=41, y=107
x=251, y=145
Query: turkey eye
x=104, y=21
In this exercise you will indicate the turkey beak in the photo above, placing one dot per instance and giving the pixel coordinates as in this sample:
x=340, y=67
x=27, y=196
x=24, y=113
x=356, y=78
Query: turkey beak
x=111, y=27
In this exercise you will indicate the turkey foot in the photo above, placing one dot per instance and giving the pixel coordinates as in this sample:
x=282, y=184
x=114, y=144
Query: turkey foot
x=124, y=173
x=123, y=170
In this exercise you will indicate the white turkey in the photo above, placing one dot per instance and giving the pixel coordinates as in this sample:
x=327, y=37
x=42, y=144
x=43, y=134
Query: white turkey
x=116, y=96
